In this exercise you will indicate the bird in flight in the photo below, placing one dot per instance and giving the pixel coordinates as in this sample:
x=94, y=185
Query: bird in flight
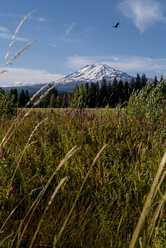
x=116, y=25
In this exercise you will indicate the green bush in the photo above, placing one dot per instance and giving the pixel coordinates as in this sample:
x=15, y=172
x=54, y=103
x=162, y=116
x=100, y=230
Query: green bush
x=149, y=103
x=7, y=106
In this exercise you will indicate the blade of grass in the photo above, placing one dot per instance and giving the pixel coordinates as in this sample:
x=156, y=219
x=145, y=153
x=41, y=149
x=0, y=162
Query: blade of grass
x=6, y=238
x=46, y=209
x=155, y=217
x=34, y=205
x=56, y=239
x=147, y=203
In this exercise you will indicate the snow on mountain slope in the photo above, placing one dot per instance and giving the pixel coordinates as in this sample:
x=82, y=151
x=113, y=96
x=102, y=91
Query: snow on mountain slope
x=94, y=73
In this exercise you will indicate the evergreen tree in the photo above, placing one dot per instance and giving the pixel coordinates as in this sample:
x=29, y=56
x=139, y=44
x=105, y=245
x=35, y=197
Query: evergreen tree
x=120, y=91
x=97, y=94
x=143, y=80
x=27, y=98
x=14, y=95
x=155, y=82
x=78, y=97
x=103, y=93
x=161, y=78
x=22, y=99
x=127, y=91
x=109, y=92
x=46, y=100
x=138, y=82
x=58, y=102
x=86, y=89
x=65, y=101
x=52, y=101
x=2, y=91
x=115, y=98
x=92, y=96
x=132, y=85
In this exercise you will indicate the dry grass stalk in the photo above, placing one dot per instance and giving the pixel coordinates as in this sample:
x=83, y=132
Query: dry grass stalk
x=5, y=239
x=148, y=202
x=17, y=30
x=34, y=205
x=17, y=121
x=2, y=71
x=42, y=88
x=2, y=227
x=159, y=184
x=46, y=209
x=56, y=238
x=19, y=52
x=8, y=62
x=21, y=155
x=155, y=217
x=45, y=94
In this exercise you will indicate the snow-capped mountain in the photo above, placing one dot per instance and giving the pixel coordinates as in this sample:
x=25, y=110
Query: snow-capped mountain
x=93, y=73
x=89, y=73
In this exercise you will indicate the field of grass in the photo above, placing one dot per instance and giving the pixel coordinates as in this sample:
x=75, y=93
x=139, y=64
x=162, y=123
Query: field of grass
x=81, y=202
x=96, y=111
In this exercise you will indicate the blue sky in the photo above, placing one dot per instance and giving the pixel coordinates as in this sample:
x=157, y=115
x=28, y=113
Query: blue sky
x=74, y=33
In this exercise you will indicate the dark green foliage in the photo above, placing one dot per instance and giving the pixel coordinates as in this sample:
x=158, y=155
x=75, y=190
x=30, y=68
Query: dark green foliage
x=78, y=97
x=52, y=101
x=45, y=102
x=14, y=95
x=8, y=107
x=155, y=81
x=149, y=103
x=27, y=98
x=22, y=99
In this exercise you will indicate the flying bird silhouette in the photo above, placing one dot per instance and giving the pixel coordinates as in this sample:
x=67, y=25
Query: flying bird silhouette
x=116, y=25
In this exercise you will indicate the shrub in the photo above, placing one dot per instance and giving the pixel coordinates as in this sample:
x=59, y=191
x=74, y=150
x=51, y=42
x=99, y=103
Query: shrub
x=149, y=103
x=7, y=106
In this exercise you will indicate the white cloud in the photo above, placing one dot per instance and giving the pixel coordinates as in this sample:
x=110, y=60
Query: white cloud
x=53, y=45
x=130, y=64
x=8, y=36
x=41, y=19
x=4, y=29
x=23, y=76
x=69, y=29
x=142, y=12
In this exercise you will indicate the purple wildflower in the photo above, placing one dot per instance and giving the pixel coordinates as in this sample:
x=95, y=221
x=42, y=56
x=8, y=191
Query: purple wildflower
x=65, y=126
x=52, y=111
x=162, y=214
x=8, y=152
x=117, y=114
x=165, y=144
x=42, y=178
x=12, y=188
x=115, y=162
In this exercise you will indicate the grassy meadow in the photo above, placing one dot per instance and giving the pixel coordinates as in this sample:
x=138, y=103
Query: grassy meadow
x=78, y=178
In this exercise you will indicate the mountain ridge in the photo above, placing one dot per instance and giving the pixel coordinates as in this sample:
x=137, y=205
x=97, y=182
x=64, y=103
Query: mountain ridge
x=88, y=74
x=96, y=72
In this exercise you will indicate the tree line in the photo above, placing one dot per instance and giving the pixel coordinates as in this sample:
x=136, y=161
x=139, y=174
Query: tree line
x=87, y=95
x=108, y=94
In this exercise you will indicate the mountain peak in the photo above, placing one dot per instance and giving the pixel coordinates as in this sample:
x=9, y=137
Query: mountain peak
x=95, y=72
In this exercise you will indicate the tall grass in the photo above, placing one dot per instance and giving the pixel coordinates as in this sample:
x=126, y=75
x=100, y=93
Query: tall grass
x=99, y=205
